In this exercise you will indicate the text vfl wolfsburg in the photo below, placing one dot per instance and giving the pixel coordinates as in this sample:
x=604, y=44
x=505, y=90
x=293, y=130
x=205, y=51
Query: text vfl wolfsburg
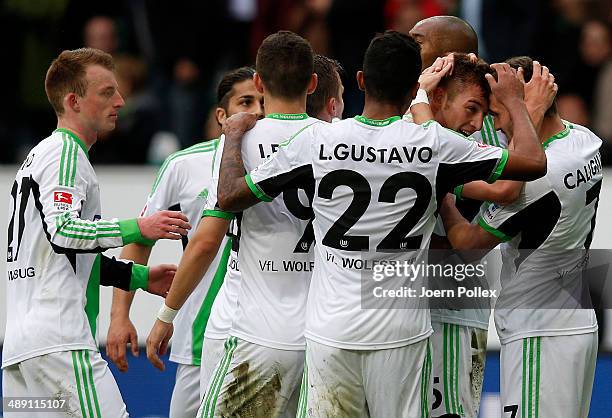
x=21, y=273
x=285, y=265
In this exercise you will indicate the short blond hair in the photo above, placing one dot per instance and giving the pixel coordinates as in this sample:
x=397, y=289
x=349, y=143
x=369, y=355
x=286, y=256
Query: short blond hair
x=67, y=74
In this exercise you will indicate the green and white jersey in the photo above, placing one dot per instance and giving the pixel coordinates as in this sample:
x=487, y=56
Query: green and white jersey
x=489, y=136
x=539, y=281
x=378, y=184
x=183, y=184
x=276, y=258
x=54, y=234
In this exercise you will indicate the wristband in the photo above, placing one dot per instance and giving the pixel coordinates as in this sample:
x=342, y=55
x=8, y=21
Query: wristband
x=458, y=191
x=421, y=97
x=166, y=314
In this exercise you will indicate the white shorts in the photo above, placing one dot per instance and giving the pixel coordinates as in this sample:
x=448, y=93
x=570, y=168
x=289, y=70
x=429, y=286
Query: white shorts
x=358, y=383
x=548, y=377
x=212, y=353
x=254, y=381
x=81, y=377
x=186, y=394
x=459, y=354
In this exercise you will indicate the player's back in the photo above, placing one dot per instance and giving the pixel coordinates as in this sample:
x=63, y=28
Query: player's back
x=275, y=255
x=548, y=229
x=378, y=184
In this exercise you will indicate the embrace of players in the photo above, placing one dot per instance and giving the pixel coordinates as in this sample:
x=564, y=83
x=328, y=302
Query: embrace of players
x=266, y=310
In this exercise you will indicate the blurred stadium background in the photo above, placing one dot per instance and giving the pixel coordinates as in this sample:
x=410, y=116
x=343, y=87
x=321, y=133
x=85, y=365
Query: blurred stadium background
x=171, y=55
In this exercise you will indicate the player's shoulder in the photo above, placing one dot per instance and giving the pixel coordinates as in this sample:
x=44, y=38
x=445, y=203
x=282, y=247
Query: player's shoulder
x=573, y=139
x=62, y=149
x=201, y=153
x=434, y=131
x=582, y=132
x=62, y=141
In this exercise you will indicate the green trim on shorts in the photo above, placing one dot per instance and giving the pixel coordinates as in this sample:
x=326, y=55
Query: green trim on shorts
x=302, y=411
x=85, y=384
x=451, y=352
x=93, y=386
x=85, y=381
x=425, y=381
x=78, y=383
x=530, y=397
x=212, y=394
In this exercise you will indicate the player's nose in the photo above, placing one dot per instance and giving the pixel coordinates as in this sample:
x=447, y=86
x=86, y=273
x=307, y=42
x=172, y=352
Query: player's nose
x=119, y=102
x=477, y=122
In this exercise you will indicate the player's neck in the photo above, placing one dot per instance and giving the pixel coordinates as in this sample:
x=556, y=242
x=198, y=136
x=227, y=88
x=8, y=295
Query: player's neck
x=285, y=106
x=551, y=125
x=379, y=111
x=88, y=136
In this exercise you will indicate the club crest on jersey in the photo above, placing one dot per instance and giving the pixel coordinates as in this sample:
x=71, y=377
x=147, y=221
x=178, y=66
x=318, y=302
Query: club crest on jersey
x=62, y=200
x=344, y=243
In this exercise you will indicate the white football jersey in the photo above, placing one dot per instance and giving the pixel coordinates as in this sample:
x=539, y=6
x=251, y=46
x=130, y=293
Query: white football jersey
x=182, y=184
x=378, y=186
x=276, y=258
x=540, y=283
x=53, y=271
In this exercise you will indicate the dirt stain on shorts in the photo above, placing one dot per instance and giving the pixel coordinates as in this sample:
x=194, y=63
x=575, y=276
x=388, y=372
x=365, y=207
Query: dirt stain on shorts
x=251, y=394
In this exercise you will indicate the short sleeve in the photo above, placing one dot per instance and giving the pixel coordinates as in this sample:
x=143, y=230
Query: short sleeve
x=496, y=220
x=463, y=160
x=290, y=167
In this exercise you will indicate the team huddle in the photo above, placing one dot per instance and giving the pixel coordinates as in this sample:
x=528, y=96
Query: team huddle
x=266, y=315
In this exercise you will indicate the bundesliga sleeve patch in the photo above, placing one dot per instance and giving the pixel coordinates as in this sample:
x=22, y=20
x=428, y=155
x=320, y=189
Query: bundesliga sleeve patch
x=491, y=211
x=62, y=200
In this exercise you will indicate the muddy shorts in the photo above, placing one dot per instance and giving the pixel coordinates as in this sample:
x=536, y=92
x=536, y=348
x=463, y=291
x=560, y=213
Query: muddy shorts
x=212, y=353
x=254, y=381
x=366, y=383
x=80, y=377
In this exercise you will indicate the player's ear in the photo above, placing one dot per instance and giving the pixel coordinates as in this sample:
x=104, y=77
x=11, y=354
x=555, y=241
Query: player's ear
x=360, y=80
x=258, y=83
x=71, y=101
x=331, y=106
x=221, y=116
x=312, y=86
